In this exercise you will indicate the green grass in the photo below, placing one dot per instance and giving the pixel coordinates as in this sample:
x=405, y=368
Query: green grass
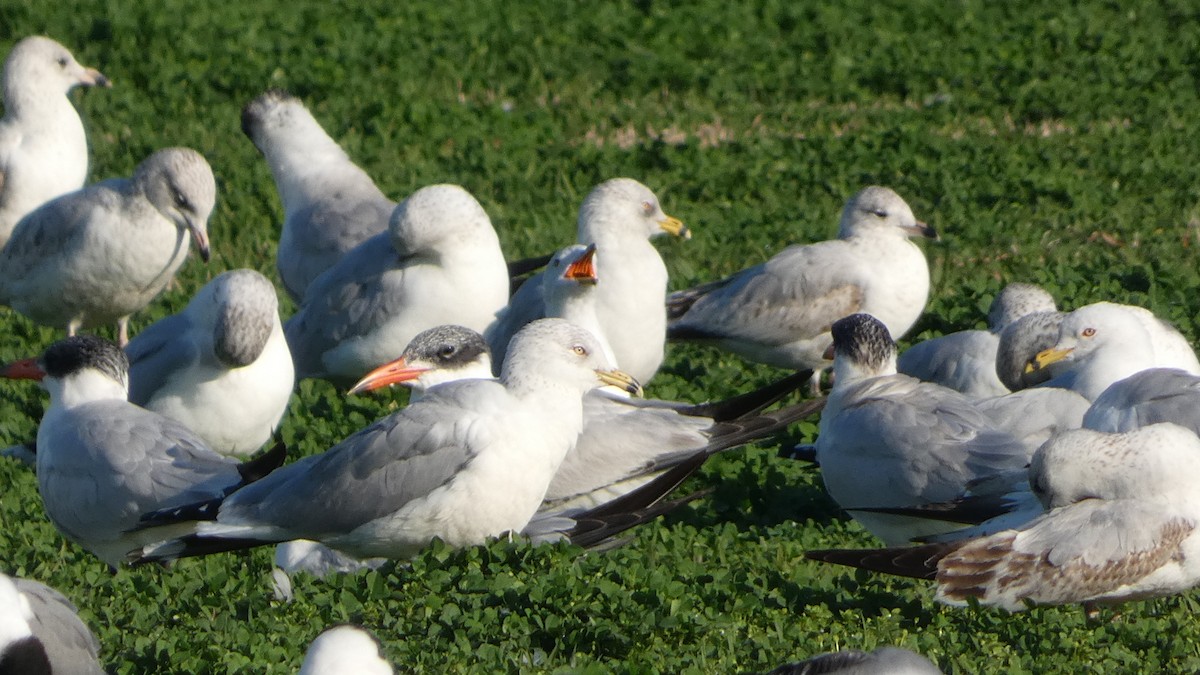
x=1049, y=145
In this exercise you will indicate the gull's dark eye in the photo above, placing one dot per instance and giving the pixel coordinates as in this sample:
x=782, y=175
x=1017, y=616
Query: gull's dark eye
x=181, y=200
x=63, y=62
x=880, y=213
x=446, y=351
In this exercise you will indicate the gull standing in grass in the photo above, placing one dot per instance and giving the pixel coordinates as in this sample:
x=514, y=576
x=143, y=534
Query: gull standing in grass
x=103, y=463
x=43, y=147
x=1104, y=342
x=966, y=361
x=1123, y=512
x=779, y=313
x=439, y=262
x=469, y=461
x=890, y=440
x=99, y=254
x=619, y=216
x=330, y=205
x=41, y=632
x=882, y=661
x=345, y=650
x=221, y=366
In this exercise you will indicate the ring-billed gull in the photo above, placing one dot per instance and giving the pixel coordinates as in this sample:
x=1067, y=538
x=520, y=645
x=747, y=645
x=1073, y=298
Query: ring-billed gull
x=99, y=254
x=221, y=366
x=43, y=148
x=890, y=440
x=1147, y=397
x=882, y=661
x=102, y=462
x=438, y=263
x=625, y=442
x=343, y=650
x=619, y=216
x=1020, y=342
x=779, y=312
x=41, y=632
x=1123, y=512
x=469, y=461
x=330, y=205
x=1101, y=343
x=966, y=361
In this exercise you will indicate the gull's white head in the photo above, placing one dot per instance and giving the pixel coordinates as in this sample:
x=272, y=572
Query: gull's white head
x=441, y=354
x=440, y=219
x=862, y=348
x=623, y=207
x=180, y=184
x=553, y=353
x=274, y=115
x=879, y=210
x=345, y=650
x=1097, y=345
x=38, y=67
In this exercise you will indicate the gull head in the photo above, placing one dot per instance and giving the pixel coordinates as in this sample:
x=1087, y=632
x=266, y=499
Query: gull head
x=440, y=219
x=877, y=209
x=557, y=354
x=862, y=348
x=1100, y=331
x=1018, y=300
x=345, y=649
x=39, y=64
x=275, y=112
x=240, y=307
x=180, y=184
x=625, y=207
x=441, y=354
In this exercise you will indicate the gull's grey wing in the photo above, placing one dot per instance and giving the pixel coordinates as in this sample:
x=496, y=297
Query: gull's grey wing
x=963, y=361
x=158, y=352
x=69, y=643
x=797, y=294
x=349, y=299
x=371, y=474
x=1147, y=397
x=327, y=230
x=882, y=661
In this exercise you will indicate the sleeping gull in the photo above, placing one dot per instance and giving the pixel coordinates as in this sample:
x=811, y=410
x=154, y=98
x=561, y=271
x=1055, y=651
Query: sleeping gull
x=889, y=440
x=48, y=631
x=99, y=254
x=469, y=461
x=779, y=312
x=1121, y=524
x=1101, y=343
x=43, y=148
x=221, y=366
x=102, y=462
x=345, y=649
x=330, y=204
x=439, y=262
x=619, y=216
x=966, y=361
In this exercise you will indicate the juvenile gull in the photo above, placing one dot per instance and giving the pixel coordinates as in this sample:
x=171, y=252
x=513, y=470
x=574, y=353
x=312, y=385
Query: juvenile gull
x=469, y=461
x=43, y=148
x=439, y=262
x=889, y=440
x=330, y=205
x=779, y=312
x=966, y=361
x=619, y=216
x=221, y=366
x=99, y=254
x=102, y=462
x=1121, y=524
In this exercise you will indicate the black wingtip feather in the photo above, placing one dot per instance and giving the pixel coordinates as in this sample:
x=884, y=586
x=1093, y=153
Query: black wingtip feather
x=751, y=401
x=259, y=467
x=916, y=562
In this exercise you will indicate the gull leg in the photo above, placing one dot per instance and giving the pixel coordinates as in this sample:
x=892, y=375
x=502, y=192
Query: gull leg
x=73, y=327
x=122, y=332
